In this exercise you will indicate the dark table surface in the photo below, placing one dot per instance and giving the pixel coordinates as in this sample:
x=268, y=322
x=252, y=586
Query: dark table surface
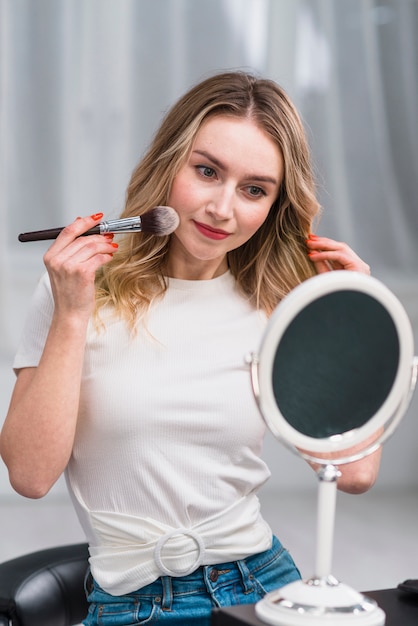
x=401, y=610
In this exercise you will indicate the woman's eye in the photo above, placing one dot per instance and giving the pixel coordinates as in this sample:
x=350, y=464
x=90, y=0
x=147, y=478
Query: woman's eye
x=255, y=191
x=206, y=171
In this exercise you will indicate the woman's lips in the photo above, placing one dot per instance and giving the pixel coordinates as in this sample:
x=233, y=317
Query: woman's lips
x=211, y=233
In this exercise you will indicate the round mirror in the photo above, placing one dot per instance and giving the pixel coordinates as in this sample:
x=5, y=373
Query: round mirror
x=335, y=364
x=335, y=369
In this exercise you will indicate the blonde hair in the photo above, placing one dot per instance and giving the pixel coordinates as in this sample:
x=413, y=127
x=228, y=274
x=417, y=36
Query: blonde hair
x=274, y=260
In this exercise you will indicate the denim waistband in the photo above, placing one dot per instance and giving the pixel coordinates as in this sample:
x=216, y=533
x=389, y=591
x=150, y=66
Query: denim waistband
x=190, y=599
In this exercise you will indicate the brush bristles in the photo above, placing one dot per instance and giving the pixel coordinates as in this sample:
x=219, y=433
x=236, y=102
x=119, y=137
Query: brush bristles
x=161, y=220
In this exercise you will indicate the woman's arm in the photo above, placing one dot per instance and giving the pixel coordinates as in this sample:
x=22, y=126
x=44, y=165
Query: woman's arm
x=359, y=476
x=38, y=434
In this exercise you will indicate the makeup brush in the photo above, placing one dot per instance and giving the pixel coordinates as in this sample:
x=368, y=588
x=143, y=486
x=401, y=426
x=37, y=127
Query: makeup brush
x=160, y=221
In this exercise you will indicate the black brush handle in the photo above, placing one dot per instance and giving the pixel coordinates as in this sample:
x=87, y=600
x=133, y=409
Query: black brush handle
x=52, y=233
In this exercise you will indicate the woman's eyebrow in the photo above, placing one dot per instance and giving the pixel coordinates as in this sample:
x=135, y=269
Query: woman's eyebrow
x=211, y=158
x=257, y=177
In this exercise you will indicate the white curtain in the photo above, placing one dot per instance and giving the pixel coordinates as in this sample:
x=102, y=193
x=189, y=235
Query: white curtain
x=84, y=83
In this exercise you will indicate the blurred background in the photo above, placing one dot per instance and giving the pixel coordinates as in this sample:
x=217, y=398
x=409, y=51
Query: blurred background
x=83, y=86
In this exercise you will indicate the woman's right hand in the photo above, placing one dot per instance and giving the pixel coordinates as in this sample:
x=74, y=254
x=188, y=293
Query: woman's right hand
x=72, y=262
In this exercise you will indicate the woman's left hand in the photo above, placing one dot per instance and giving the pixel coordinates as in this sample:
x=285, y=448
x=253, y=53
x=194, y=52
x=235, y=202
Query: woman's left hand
x=328, y=255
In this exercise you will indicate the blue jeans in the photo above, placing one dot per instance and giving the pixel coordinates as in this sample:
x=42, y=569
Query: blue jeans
x=189, y=600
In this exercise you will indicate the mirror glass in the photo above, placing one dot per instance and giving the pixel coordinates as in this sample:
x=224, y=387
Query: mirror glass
x=335, y=364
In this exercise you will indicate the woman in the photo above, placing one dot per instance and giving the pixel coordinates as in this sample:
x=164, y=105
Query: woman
x=131, y=374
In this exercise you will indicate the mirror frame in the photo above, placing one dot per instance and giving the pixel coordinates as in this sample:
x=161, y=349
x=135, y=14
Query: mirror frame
x=390, y=412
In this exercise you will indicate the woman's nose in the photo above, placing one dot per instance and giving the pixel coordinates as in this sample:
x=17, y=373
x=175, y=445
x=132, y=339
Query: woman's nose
x=221, y=205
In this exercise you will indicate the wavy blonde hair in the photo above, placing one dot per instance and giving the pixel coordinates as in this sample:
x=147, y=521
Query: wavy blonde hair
x=274, y=260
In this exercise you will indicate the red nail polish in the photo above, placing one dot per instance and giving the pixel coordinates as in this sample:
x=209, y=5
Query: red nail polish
x=115, y=245
x=97, y=216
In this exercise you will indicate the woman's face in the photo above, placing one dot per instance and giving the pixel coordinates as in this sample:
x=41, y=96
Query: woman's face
x=223, y=194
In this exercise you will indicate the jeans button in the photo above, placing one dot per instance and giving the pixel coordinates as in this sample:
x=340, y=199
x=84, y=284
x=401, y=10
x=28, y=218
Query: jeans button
x=214, y=575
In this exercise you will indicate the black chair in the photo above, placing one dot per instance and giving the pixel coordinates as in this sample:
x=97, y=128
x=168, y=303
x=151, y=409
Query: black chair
x=44, y=588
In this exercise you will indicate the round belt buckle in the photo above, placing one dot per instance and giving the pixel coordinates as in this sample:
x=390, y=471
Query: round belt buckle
x=163, y=540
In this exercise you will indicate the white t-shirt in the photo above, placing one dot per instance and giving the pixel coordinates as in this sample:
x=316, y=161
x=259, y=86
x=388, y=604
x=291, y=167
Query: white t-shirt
x=166, y=459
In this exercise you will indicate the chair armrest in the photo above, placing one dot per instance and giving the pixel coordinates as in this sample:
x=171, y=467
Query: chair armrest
x=45, y=588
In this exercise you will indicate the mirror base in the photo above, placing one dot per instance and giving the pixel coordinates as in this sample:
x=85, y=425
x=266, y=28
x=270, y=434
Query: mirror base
x=318, y=602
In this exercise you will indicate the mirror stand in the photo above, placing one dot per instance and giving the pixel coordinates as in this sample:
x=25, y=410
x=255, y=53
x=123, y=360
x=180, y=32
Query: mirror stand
x=320, y=600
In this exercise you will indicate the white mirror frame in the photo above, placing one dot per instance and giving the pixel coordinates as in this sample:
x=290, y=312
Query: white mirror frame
x=392, y=409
